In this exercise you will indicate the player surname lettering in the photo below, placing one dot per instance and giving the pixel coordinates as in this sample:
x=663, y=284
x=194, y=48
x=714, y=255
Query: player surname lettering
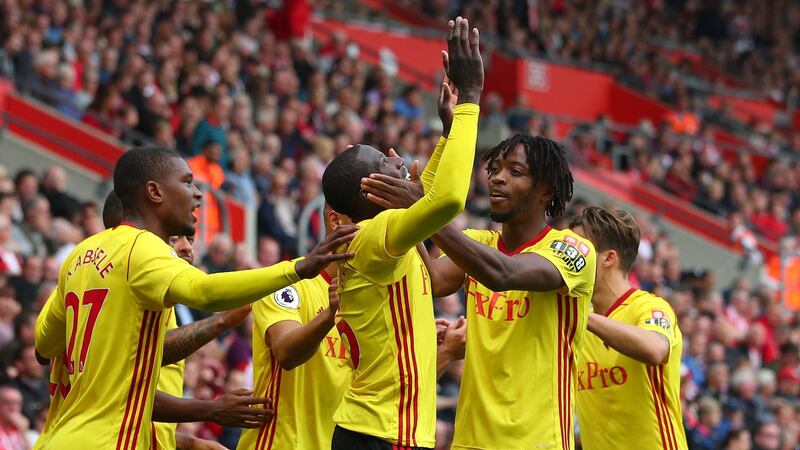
x=95, y=258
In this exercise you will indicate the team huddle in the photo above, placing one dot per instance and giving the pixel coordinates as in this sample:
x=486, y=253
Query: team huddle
x=346, y=349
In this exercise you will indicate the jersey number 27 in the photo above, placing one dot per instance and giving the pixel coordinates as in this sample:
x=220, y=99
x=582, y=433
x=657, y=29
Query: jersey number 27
x=93, y=298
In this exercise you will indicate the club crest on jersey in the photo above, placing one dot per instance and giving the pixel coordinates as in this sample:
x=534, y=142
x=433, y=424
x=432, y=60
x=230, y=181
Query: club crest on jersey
x=569, y=254
x=287, y=297
x=658, y=318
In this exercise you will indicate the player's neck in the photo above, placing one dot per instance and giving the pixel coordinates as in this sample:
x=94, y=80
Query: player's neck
x=515, y=234
x=608, y=289
x=149, y=223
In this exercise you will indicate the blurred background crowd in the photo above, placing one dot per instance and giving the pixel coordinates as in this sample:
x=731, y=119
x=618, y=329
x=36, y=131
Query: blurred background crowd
x=259, y=109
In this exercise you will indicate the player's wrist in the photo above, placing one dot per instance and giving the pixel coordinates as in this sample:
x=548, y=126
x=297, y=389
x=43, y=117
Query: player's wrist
x=470, y=96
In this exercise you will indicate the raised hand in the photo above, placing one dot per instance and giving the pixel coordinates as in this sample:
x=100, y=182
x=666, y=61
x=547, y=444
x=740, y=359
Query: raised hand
x=324, y=252
x=393, y=193
x=446, y=104
x=234, y=410
x=463, y=62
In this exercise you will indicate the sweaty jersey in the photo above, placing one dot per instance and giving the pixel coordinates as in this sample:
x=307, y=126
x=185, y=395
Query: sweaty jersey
x=518, y=382
x=106, y=322
x=170, y=381
x=304, y=398
x=387, y=322
x=609, y=383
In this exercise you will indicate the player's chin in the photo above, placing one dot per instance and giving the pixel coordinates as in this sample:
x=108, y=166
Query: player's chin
x=500, y=216
x=188, y=229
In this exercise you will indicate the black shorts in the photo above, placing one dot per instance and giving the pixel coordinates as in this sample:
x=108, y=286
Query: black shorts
x=344, y=439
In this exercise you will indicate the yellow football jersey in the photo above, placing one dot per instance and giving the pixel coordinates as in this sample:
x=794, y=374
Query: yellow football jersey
x=170, y=381
x=518, y=382
x=305, y=398
x=108, y=310
x=387, y=321
x=609, y=383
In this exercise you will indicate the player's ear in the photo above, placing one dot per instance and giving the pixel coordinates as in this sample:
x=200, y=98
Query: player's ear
x=153, y=192
x=333, y=219
x=546, y=193
x=610, y=258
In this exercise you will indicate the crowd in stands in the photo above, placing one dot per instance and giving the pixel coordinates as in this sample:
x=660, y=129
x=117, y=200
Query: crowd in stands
x=732, y=44
x=258, y=115
x=741, y=44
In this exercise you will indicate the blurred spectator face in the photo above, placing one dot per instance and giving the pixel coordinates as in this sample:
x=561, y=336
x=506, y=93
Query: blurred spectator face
x=756, y=335
x=37, y=214
x=9, y=307
x=212, y=151
x=740, y=442
x=26, y=328
x=744, y=383
x=242, y=260
x=10, y=405
x=27, y=186
x=709, y=412
x=768, y=437
x=718, y=376
x=27, y=365
x=269, y=251
x=51, y=269
x=32, y=270
x=220, y=250
x=287, y=123
x=54, y=179
x=697, y=344
x=222, y=107
x=183, y=247
x=789, y=382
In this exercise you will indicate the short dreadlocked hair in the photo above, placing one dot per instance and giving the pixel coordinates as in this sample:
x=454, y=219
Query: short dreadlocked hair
x=547, y=162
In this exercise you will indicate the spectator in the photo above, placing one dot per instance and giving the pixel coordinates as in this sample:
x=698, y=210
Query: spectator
x=10, y=263
x=738, y=440
x=32, y=235
x=13, y=425
x=27, y=284
x=219, y=256
x=768, y=437
x=54, y=188
x=212, y=128
x=209, y=177
x=30, y=381
x=238, y=180
x=9, y=308
x=710, y=430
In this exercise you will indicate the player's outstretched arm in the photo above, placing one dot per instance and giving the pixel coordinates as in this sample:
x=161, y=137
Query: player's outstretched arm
x=231, y=410
x=448, y=193
x=222, y=291
x=182, y=342
x=394, y=193
x=495, y=270
x=292, y=343
x=645, y=346
x=446, y=104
